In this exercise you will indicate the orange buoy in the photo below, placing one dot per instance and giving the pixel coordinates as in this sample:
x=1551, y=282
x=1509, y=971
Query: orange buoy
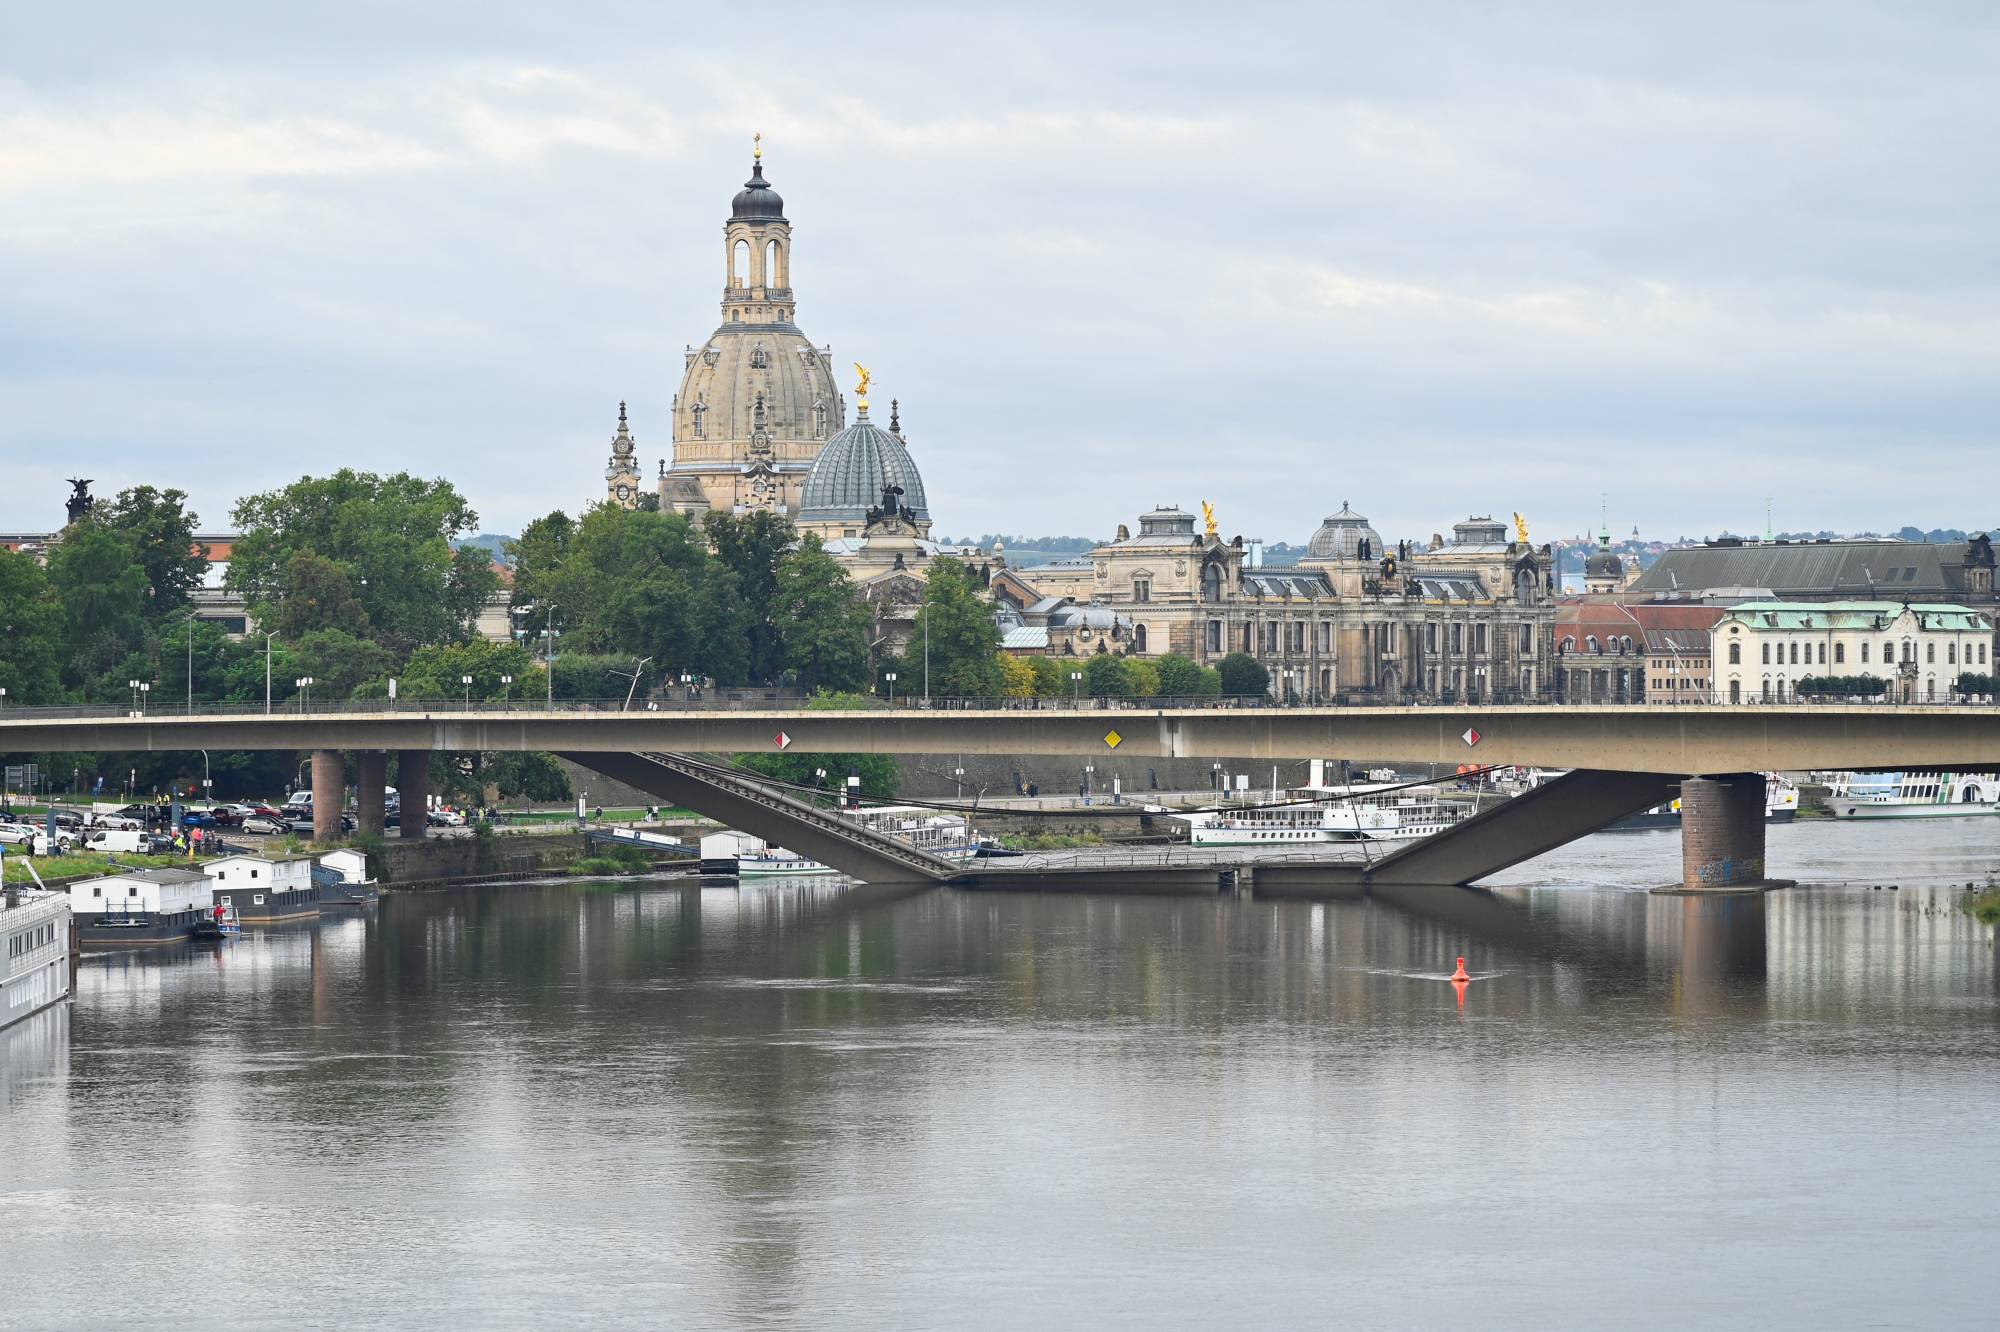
x=1460, y=975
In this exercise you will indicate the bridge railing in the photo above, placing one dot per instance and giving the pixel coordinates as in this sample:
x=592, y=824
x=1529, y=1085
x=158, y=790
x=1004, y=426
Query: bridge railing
x=779, y=701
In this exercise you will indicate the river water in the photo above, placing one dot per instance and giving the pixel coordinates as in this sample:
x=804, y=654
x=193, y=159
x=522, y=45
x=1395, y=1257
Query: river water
x=800, y=1106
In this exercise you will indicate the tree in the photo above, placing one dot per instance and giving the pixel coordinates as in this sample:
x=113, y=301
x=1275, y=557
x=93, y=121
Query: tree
x=1105, y=677
x=1180, y=676
x=751, y=546
x=822, y=622
x=880, y=775
x=340, y=663
x=964, y=643
x=102, y=590
x=1145, y=677
x=391, y=537
x=316, y=595
x=438, y=672
x=1017, y=677
x=1051, y=678
x=31, y=632
x=1242, y=675
x=160, y=531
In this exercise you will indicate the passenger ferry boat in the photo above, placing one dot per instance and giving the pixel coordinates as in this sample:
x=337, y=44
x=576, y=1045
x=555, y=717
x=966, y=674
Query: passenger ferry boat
x=747, y=857
x=1359, y=813
x=34, y=970
x=1925, y=793
x=1781, y=805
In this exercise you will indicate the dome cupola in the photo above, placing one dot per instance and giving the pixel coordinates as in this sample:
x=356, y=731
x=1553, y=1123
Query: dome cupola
x=1345, y=536
x=757, y=201
x=851, y=475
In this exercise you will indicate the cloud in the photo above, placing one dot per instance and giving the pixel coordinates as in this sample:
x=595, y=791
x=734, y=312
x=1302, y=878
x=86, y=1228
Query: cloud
x=1441, y=260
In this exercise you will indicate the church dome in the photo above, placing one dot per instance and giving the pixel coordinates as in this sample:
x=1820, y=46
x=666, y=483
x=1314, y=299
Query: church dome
x=1604, y=563
x=848, y=478
x=1341, y=535
x=757, y=201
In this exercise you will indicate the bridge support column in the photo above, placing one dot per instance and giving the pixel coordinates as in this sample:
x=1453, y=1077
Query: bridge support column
x=1722, y=832
x=329, y=788
x=413, y=788
x=372, y=775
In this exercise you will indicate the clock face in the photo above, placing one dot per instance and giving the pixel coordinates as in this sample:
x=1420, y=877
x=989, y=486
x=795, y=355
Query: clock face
x=624, y=491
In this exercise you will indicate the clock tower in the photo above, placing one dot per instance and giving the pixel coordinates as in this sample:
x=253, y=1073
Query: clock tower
x=621, y=478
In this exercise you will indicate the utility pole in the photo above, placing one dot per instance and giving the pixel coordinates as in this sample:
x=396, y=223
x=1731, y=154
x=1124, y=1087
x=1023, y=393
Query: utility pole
x=190, y=679
x=927, y=657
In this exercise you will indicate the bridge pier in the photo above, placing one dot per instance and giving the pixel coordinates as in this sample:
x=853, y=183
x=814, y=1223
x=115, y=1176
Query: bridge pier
x=1722, y=833
x=371, y=776
x=413, y=788
x=329, y=788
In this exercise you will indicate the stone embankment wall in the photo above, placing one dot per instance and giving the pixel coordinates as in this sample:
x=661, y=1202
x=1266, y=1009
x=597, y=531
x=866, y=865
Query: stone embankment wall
x=461, y=857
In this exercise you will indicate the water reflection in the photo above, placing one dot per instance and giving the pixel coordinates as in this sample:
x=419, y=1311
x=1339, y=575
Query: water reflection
x=796, y=1105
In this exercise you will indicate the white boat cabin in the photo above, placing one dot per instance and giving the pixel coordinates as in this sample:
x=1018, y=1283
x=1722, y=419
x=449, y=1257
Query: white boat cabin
x=351, y=866
x=152, y=892
x=262, y=874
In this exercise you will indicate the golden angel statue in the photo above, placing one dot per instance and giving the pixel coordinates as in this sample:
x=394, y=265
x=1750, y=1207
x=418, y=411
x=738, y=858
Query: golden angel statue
x=861, y=389
x=1521, y=529
x=1208, y=516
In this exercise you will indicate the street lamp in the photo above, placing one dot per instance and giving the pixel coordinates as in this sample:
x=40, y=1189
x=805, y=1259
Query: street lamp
x=304, y=685
x=1076, y=683
x=138, y=687
x=192, y=617
x=507, y=689
x=466, y=680
x=890, y=676
x=3, y=696
x=267, y=670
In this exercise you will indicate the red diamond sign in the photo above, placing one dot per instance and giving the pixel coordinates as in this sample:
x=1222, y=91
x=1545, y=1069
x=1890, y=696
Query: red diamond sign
x=1471, y=737
x=781, y=740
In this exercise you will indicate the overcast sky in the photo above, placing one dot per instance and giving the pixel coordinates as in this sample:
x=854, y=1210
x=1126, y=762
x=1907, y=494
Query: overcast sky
x=1434, y=259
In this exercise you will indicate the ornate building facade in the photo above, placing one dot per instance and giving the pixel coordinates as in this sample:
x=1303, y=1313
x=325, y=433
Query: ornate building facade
x=1353, y=620
x=758, y=401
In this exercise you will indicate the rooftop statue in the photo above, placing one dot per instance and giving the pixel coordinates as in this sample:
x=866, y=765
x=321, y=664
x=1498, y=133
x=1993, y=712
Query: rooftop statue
x=1208, y=517
x=80, y=501
x=861, y=389
x=1521, y=529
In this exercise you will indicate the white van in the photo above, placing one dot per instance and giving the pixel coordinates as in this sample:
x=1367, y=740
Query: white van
x=127, y=840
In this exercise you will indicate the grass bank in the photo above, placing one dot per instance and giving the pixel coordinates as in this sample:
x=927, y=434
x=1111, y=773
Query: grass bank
x=1049, y=841
x=1984, y=903
x=80, y=863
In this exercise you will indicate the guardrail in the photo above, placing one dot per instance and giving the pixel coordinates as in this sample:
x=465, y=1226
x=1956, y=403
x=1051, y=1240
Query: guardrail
x=454, y=707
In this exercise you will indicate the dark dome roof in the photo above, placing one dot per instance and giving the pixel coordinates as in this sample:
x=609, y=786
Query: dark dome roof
x=848, y=477
x=757, y=201
x=1604, y=563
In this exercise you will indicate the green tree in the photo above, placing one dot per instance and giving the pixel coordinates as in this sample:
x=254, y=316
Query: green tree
x=1051, y=678
x=317, y=595
x=438, y=673
x=1106, y=677
x=160, y=531
x=751, y=546
x=31, y=632
x=1242, y=675
x=391, y=536
x=964, y=643
x=342, y=664
x=1145, y=677
x=823, y=622
x=97, y=580
x=1180, y=676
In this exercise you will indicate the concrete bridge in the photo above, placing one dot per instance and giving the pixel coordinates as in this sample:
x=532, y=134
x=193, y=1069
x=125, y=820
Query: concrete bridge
x=1623, y=759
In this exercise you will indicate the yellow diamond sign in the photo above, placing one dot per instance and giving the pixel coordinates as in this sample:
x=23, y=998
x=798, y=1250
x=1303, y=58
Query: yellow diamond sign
x=1113, y=739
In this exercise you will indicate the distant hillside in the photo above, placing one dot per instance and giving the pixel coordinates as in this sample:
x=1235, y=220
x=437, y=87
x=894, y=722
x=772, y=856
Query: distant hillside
x=495, y=543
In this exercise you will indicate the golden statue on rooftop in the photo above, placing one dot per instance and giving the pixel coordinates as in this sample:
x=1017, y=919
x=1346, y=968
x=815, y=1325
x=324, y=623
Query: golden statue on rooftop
x=1521, y=529
x=861, y=389
x=1208, y=517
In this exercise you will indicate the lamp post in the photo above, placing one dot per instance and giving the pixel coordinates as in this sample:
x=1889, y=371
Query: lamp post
x=267, y=670
x=1076, y=684
x=927, y=659
x=3, y=696
x=466, y=680
x=1088, y=770
x=687, y=687
x=138, y=688
x=506, y=689
x=637, y=671
x=304, y=685
x=190, y=663
x=890, y=676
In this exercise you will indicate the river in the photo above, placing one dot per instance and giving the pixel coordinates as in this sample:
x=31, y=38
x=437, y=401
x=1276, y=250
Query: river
x=806, y=1106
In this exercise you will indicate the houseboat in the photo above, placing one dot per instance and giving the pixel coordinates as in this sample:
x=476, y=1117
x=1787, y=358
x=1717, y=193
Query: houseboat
x=1781, y=805
x=34, y=971
x=343, y=880
x=1917, y=794
x=140, y=906
x=264, y=889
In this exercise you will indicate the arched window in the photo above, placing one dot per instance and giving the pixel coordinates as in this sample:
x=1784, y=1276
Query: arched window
x=1139, y=638
x=1822, y=654
x=1211, y=582
x=1864, y=652
x=1590, y=644
x=1839, y=654
x=1930, y=654
x=1795, y=654
x=1951, y=654
x=774, y=272
x=1735, y=654
x=739, y=263
x=1767, y=689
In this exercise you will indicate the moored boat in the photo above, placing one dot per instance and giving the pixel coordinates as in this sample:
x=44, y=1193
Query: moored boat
x=1920, y=793
x=34, y=969
x=1781, y=805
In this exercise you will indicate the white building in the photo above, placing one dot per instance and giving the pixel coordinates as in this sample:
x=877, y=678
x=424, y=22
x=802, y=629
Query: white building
x=264, y=888
x=1762, y=649
x=149, y=892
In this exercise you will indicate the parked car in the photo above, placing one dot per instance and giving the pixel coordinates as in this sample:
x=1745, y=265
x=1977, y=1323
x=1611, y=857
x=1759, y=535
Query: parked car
x=266, y=825
x=258, y=807
x=159, y=844
x=117, y=823
x=445, y=818
x=34, y=840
